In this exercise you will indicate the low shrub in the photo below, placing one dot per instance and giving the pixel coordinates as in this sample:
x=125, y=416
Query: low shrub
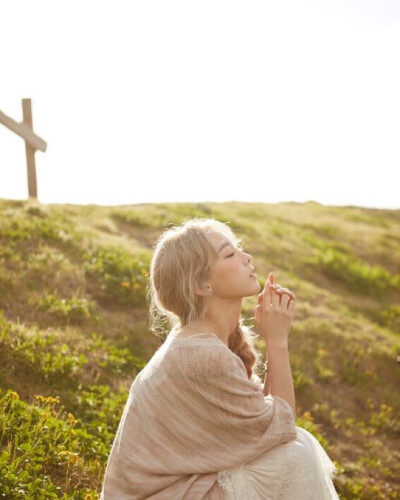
x=68, y=311
x=40, y=451
x=354, y=273
x=117, y=276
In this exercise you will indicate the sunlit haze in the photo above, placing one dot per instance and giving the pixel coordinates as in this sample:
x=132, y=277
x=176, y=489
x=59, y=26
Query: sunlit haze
x=151, y=101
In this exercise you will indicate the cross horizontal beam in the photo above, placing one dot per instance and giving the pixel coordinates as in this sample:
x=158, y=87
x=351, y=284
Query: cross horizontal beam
x=24, y=131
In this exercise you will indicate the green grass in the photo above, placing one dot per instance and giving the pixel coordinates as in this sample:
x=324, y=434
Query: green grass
x=74, y=333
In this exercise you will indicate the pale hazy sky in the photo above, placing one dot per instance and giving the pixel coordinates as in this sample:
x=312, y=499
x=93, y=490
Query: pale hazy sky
x=148, y=101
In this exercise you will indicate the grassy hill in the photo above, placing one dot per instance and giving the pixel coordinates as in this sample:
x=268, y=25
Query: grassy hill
x=74, y=333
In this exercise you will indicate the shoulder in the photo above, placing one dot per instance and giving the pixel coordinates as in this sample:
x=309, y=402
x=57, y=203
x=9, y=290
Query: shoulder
x=208, y=357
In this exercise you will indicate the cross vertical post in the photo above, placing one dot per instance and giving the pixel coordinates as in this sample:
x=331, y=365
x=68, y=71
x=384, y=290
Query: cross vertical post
x=30, y=151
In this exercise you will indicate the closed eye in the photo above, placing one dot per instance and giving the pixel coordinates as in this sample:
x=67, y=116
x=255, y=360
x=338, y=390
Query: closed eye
x=230, y=255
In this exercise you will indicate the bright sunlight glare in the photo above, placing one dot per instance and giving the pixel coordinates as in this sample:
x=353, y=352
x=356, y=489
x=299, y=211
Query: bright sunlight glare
x=153, y=101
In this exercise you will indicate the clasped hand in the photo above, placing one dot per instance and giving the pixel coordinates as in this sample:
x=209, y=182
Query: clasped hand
x=274, y=313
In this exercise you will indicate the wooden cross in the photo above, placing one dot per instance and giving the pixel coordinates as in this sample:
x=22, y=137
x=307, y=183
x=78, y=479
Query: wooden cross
x=32, y=141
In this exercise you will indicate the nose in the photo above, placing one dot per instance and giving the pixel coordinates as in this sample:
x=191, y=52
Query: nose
x=247, y=257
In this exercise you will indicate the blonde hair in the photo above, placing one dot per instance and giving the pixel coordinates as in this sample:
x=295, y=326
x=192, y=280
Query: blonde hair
x=180, y=264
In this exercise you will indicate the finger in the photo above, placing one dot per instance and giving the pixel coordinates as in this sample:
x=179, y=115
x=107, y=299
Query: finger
x=285, y=300
x=271, y=282
x=279, y=292
x=275, y=300
x=260, y=298
x=267, y=292
x=291, y=307
x=286, y=291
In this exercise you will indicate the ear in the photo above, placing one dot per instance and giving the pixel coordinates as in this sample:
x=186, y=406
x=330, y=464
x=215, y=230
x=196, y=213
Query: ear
x=203, y=289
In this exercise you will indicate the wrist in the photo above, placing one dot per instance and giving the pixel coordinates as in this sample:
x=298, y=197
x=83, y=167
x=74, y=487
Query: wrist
x=281, y=346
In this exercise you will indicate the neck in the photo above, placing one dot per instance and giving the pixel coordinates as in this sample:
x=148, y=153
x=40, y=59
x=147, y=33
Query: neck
x=222, y=318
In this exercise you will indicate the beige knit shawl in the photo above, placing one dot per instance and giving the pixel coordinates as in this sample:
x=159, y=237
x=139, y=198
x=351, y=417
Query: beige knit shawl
x=191, y=412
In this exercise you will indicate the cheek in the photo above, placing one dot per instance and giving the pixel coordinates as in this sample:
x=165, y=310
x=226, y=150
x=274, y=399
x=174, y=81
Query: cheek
x=226, y=273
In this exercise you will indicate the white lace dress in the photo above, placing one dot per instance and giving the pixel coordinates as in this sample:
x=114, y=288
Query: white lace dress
x=298, y=470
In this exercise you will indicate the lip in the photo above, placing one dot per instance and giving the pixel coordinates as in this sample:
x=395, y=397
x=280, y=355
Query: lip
x=253, y=274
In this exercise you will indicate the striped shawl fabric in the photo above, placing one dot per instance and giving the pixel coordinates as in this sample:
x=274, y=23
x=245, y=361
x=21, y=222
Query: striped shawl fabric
x=191, y=412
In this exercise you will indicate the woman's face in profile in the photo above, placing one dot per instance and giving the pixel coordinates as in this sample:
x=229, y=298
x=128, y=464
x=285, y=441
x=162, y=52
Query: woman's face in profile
x=232, y=274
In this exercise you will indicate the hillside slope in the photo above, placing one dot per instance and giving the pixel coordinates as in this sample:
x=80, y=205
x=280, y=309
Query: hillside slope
x=74, y=332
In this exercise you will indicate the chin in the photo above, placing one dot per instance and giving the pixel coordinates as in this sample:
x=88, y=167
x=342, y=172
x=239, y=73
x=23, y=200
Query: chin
x=254, y=290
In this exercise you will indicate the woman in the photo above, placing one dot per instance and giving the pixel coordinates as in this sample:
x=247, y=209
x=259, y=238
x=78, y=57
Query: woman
x=198, y=423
